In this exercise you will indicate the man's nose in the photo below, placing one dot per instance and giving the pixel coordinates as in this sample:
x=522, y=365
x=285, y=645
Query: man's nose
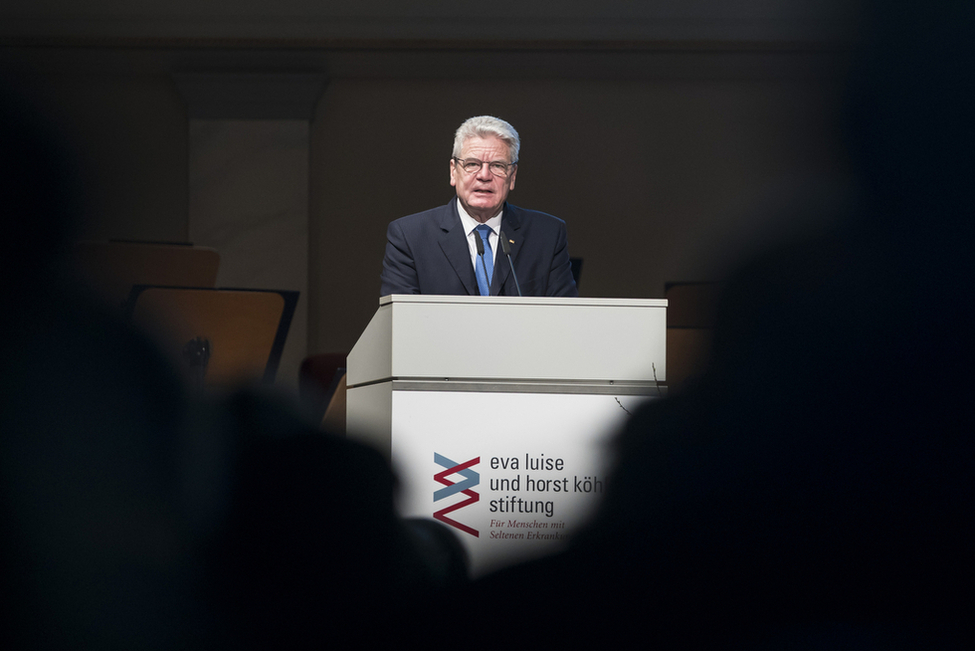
x=484, y=173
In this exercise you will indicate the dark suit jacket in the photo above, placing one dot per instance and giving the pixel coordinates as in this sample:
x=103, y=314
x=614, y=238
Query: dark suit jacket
x=427, y=253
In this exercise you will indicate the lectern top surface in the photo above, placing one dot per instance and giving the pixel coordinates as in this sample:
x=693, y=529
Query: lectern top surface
x=522, y=300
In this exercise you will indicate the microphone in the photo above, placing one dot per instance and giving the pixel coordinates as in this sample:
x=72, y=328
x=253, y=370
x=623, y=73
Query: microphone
x=480, y=253
x=507, y=251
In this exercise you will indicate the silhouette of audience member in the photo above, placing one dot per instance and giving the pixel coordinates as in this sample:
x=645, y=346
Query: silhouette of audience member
x=816, y=487
x=136, y=515
x=93, y=535
x=312, y=553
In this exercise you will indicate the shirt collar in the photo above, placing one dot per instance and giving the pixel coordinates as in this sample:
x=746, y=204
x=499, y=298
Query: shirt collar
x=469, y=223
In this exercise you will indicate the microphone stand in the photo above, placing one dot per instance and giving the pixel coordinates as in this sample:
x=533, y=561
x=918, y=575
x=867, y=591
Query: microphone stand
x=507, y=251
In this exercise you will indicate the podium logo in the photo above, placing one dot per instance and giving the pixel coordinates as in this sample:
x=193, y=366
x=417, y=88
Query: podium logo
x=452, y=488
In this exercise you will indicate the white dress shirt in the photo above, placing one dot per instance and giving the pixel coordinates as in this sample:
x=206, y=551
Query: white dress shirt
x=469, y=224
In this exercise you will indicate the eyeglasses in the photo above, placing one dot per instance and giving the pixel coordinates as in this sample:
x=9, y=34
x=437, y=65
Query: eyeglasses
x=473, y=165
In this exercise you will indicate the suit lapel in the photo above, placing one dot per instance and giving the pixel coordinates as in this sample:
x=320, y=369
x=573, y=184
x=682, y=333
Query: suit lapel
x=453, y=243
x=510, y=224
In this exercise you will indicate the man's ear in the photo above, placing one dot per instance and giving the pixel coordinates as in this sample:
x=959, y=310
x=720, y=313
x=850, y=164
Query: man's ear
x=453, y=171
x=511, y=179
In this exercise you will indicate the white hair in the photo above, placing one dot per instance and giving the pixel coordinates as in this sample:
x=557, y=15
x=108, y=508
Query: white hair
x=483, y=126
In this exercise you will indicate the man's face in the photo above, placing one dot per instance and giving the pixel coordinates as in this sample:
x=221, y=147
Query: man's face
x=481, y=192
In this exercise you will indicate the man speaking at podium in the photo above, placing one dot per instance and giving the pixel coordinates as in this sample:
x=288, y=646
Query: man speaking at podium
x=454, y=249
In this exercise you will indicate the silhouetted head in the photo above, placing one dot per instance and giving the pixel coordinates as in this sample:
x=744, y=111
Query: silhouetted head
x=39, y=194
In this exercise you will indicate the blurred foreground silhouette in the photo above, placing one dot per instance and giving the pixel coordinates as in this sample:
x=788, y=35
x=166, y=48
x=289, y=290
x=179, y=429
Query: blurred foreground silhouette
x=816, y=487
x=139, y=515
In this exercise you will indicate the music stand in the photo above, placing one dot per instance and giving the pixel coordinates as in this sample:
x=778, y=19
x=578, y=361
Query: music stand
x=222, y=337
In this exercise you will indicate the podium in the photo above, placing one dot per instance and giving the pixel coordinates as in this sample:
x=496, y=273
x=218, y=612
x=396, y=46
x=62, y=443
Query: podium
x=495, y=411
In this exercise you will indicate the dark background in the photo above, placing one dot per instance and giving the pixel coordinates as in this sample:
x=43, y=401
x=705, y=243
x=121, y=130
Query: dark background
x=672, y=137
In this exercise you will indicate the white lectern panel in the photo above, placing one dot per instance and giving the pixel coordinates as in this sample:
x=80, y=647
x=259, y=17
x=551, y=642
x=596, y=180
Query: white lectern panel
x=506, y=442
x=514, y=475
x=547, y=339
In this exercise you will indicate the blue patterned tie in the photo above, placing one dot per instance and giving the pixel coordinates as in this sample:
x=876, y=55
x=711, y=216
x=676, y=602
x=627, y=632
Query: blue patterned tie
x=484, y=280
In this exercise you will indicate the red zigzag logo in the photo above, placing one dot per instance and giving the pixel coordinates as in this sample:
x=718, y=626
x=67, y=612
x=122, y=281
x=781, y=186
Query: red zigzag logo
x=464, y=487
